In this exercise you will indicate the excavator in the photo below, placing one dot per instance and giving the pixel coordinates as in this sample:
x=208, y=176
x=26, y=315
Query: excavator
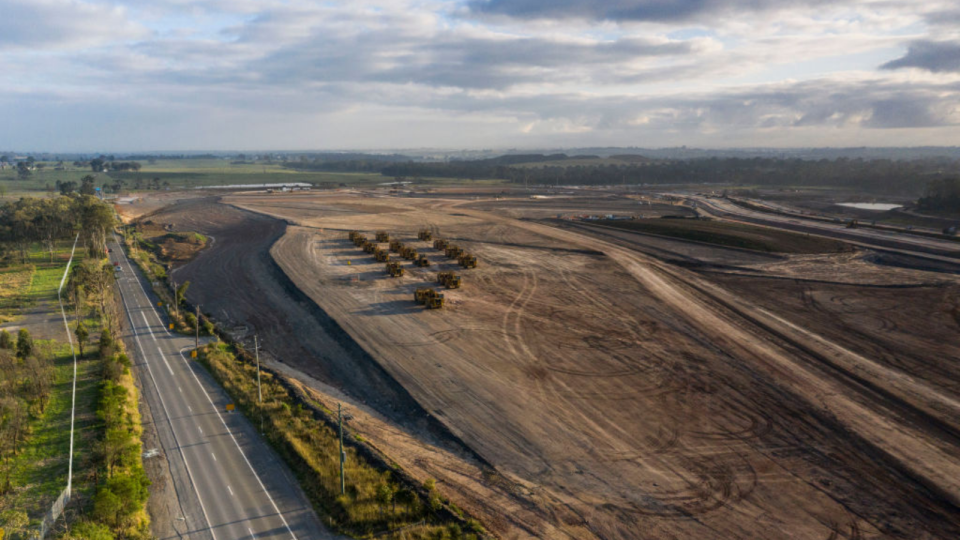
x=422, y=261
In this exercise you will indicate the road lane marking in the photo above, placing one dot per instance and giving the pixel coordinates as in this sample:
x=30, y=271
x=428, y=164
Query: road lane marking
x=163, y=404
x=230, y=490
x=237, y=444
x=249, y=530
x=214, y=456
x=200, y=428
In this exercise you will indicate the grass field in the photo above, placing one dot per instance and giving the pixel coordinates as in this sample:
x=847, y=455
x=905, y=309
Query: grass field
x=732, y=235
x=192, y=173
x=25, y=285
x=39, y=472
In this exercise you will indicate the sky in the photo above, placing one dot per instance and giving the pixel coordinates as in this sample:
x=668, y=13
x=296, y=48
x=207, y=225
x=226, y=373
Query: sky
x=169, y=75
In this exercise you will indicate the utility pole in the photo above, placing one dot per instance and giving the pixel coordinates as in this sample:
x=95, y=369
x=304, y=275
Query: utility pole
x=256, y=349
x=343, y=457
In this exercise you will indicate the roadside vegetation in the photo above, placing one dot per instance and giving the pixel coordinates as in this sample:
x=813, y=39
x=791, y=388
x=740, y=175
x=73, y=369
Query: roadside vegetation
x=942, y=195
x=36, y=377
x=379, y=501
x=732, y=235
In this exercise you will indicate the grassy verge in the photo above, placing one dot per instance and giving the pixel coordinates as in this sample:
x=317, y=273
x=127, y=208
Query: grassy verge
x=39, y=472
x=379, y=502
x=732, y=235
x=14, y=286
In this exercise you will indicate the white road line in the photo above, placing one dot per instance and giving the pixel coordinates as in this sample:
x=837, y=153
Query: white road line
x=180, y=389
x=200, y=428
x=249, y=530
x=163, y=404
x=165, y=361
x=230, y=490
x=255, y=475
x=214, y=456
x=191, y=408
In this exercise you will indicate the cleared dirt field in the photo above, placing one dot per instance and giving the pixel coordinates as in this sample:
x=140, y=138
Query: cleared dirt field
x=604, y=392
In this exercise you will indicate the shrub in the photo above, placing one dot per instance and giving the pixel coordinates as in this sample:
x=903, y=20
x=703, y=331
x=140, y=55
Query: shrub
x=24, y=344
x=6, y=340
x=208, y=328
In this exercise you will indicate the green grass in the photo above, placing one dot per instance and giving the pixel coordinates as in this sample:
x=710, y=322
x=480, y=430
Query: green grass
x=732, y=235
x=39, y=472
x=192, y=173
x=44, y=278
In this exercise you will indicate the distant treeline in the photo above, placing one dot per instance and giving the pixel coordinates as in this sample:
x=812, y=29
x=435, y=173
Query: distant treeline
x=883, y=175
x=942, y=194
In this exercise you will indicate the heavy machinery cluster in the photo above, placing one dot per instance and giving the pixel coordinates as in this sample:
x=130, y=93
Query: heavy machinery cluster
x=425, y=296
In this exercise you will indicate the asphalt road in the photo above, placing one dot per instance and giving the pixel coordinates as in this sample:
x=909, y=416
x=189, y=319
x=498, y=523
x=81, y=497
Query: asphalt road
x=229, y=483
x=918, y=246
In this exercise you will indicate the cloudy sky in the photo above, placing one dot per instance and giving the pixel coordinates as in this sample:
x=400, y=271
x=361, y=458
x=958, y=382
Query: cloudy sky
x=131, y=75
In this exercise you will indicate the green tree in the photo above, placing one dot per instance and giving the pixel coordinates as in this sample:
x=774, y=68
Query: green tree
x=86, y=185
x=384, y=496
x=6, y=340
x=82, y=335
x=24, y=344
x=181, y=292
x=88, y=530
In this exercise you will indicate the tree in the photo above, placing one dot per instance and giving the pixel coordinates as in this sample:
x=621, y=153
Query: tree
x=24, y=344
x=180, y=293
x=96, y=165
x=23, y=170
x=6, y=340
x=86, y=185
x=88, y=530
x=82, y=335
x=384, y=496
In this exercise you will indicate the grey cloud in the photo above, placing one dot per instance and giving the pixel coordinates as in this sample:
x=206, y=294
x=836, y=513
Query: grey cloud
x=627, y=10
x=47, y=24
x=935, y=56
x=453, y=61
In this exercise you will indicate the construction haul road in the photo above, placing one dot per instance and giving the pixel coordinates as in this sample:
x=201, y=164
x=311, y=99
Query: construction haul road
x=229, y=484
x=580, y=388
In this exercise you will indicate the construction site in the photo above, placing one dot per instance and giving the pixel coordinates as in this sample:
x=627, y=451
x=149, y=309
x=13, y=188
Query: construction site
x=566, y=379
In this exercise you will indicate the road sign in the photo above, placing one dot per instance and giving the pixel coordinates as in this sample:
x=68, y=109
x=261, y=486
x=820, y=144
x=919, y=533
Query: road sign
x=171, y=326
x=230, y=407
x=193, y=354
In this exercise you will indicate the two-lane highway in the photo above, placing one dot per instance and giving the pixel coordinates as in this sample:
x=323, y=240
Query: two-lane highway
x=231, y=485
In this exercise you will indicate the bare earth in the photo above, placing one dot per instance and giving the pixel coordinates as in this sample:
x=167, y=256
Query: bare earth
x=579, y=386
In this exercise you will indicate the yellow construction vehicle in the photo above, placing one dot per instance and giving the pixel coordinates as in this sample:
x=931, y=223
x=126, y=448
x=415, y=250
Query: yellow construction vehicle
x=359, y=239
x=440, y=244
x=394, y=269
x=396, y=246
x=854, y=224
x=453, y=251
x=422, y=294
x=382, y=236
x=467, y=260
x=408, y=253
x=382, y=255
x=353, y=235
x=423, y=261
x=369, y=246
x=435, y=301
x=449, y=279
x=425, y=235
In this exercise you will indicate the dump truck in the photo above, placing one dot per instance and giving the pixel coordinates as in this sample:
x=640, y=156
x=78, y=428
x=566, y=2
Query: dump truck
x=448, y=279
x=440, y=244
x=394, y=269
x=425, y=235
x=382, y=236
x=369, y=246
x=423, y=293
x=382, y=255
x=408, y=253
x=435, y=301
x=396, y=246
x=359, y=239
x=422, y=261
x=453, y=251
x=467, y=260
x=353, y=235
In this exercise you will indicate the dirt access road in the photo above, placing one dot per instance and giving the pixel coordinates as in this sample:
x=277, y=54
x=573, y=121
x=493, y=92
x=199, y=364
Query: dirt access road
x=616, y=397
